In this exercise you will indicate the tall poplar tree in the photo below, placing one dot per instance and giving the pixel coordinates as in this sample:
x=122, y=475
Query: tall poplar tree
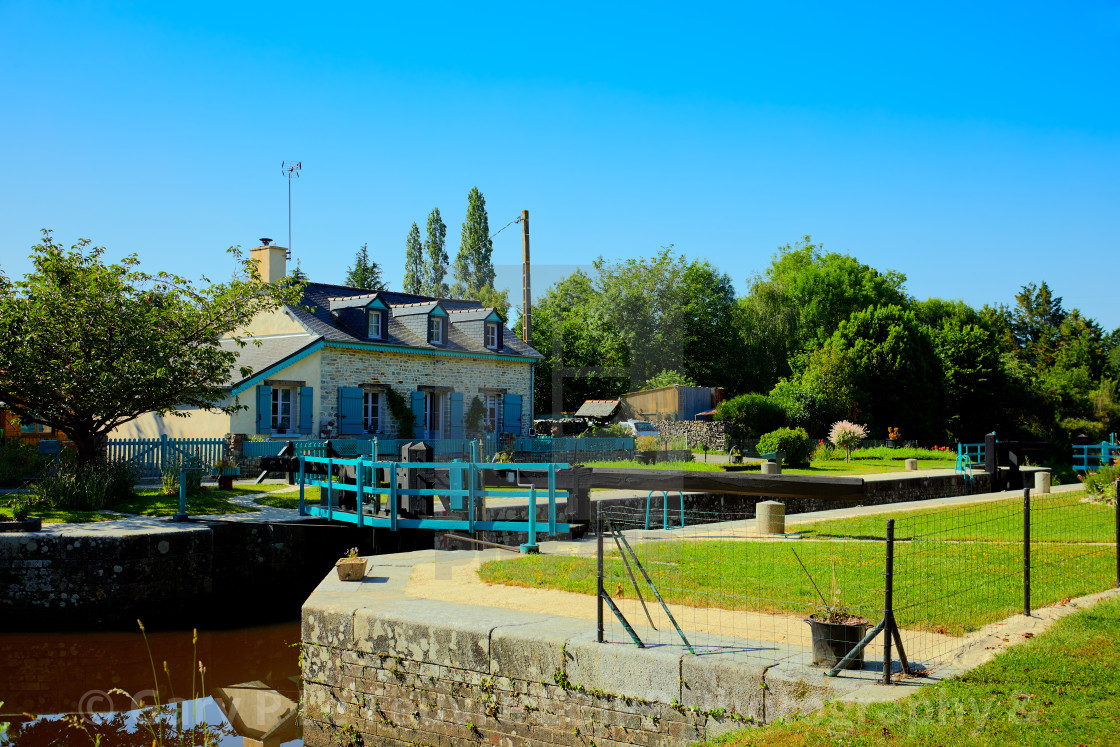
x=474, y=267
x=414, y=262
x=436, y=252
x=365, y=273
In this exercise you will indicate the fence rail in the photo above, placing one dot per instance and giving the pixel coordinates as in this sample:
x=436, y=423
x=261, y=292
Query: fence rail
x=1090, y=456
x=151, y=455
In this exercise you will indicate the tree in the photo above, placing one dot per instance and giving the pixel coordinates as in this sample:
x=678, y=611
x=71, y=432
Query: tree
x=474, y=267
x=667, y=378
x=365, y=273
x=435, y=249
x=297, y=275
x=1035, y=321
x=89, y=346
x=414, y=262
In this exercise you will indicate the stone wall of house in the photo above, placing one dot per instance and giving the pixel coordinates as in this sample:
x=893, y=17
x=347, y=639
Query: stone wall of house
x=404, y=373
x=697, y=433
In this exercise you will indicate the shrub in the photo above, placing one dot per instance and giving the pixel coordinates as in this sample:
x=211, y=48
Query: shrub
x=824, y=450
x=614, y=430
x=1102, y=483
x=847, y=435
x=20, y=460
x=751, y=415
x=401, y=412
x=169, y=476
x=795, y=442
x=647, y=443
x=87, y=488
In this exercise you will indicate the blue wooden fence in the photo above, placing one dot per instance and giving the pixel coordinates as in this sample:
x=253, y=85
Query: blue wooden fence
x=1095, y=456
x=150, y=455
x=590, y=445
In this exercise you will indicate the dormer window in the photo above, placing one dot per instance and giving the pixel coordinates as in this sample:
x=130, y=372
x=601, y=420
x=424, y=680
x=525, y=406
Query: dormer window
x=492, y=335
x=376, y=324
x=435, y=330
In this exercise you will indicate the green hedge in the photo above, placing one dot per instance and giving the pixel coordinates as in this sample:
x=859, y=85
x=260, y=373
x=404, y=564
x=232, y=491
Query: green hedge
x=794, y=442
x=751, y=414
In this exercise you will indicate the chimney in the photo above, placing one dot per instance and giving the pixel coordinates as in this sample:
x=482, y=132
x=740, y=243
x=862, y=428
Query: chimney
x=271, y=260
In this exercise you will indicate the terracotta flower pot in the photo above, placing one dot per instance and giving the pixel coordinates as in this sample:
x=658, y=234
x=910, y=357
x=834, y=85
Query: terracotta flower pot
x=351, y=569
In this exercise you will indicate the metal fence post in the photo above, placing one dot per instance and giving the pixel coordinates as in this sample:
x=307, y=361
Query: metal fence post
x=1117, y=507
x=1027, y=552
x=599, y=555
x=888, y=604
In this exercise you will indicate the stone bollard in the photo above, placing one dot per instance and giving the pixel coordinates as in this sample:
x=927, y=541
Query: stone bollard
x=770, y=517
x=771, y=468
x=911, y=465
x=1042, y=482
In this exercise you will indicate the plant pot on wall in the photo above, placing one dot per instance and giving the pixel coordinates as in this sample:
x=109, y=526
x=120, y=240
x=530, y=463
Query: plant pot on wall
x=833, y=640
x=351, y=569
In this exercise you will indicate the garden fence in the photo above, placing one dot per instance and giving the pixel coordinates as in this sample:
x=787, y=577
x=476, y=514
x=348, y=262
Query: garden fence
x=151, y=455
x=535, y=449
x=716, y=585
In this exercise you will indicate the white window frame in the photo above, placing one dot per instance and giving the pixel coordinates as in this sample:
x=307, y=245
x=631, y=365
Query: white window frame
x=371, y=410
x=493, y=412
x=375, y=316
x=276, y=409
x=435, y=329
x=432, y=404
x=492, y=332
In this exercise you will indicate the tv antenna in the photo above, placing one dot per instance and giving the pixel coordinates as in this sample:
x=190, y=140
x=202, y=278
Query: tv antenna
x=290, y=169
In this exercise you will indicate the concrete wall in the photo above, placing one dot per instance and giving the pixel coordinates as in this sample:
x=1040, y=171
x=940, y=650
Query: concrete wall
x=411, y=671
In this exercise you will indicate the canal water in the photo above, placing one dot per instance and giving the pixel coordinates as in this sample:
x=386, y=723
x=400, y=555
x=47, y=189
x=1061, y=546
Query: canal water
x=67, y=688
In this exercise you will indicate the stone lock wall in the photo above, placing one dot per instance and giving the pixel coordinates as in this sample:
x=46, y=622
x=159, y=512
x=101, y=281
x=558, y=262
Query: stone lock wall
x=712, y=433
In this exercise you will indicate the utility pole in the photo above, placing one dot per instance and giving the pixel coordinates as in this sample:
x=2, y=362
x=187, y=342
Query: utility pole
x=290, y=168
x=525, y=295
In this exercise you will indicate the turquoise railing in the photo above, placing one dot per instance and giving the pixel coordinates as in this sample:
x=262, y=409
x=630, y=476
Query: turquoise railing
x=1095, y=456
x=464, y=493
x=969, y=456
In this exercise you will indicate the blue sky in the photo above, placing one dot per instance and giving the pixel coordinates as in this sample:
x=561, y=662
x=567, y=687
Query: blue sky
x=973, y=148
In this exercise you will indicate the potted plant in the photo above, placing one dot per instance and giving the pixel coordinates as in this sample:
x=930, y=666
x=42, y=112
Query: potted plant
x=835, y=630
x=350, y=567
x=894, y=440
x=224, y=470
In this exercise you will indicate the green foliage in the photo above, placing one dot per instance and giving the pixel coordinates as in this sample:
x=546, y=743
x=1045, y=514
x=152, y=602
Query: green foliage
x=89, y=486
x=20, y=460
x=169, y=476
x=474, y=268
x=365, y=273
x=413, y=262
x=475, y=416
x=668, y=378
x=613, y=430
x=751, y=414
x=1102, y=483
x=435, y=250
x=795, y=442
x=157, y=347
x=402, y=413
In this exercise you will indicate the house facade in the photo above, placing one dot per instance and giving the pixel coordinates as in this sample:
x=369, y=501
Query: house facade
x=332, y=367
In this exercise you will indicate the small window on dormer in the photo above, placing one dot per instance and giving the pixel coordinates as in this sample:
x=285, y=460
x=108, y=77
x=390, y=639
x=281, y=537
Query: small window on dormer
x=435, y=330
x=376, y=321
x=492, y=335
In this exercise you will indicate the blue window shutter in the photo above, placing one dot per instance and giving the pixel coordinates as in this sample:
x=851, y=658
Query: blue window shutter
x=511, y=414
x=264, y=409
x=349, y=410
x=455, y=425
x=418, y=411
x=306, y=408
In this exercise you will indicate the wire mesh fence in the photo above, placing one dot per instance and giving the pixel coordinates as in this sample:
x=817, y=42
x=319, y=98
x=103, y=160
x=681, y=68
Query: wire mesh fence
x=712, y=582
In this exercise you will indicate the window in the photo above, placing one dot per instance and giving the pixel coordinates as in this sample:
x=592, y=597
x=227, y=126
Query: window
x=371, y=412
x=493, y=409
x=431, y=414
x=30, y=426
x=282, y=409
x=435, y=330
x=492, y=335
x=375, y=323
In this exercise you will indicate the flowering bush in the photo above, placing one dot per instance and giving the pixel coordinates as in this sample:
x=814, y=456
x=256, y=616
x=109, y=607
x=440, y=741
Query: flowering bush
x=847, y=435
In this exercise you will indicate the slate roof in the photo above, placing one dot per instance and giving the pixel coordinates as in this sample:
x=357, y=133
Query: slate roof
x=597, y=408
x=347, y=324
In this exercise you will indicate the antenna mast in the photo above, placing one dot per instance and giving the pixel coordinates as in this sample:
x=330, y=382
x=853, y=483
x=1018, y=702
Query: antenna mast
x=289, y=169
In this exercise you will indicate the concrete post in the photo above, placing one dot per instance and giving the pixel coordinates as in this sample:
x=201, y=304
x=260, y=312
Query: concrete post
x=911, y=465
x=770, y=517
x=1042, y=482
x=771, y=468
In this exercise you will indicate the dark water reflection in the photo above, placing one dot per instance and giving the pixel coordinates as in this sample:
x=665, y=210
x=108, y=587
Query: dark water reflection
x=250, y=693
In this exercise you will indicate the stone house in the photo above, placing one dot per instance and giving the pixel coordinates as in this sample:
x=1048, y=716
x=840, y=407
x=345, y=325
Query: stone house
x=325, y=369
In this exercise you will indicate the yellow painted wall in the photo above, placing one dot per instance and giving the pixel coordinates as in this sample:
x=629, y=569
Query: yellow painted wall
x=307, y=370
x=196, y=424
x=275, y=322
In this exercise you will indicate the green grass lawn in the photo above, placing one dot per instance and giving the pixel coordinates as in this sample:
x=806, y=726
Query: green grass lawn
x=1057, y=688
x=864, y=461
x=51, y=516
x=152, y=501
x=1058, y=517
